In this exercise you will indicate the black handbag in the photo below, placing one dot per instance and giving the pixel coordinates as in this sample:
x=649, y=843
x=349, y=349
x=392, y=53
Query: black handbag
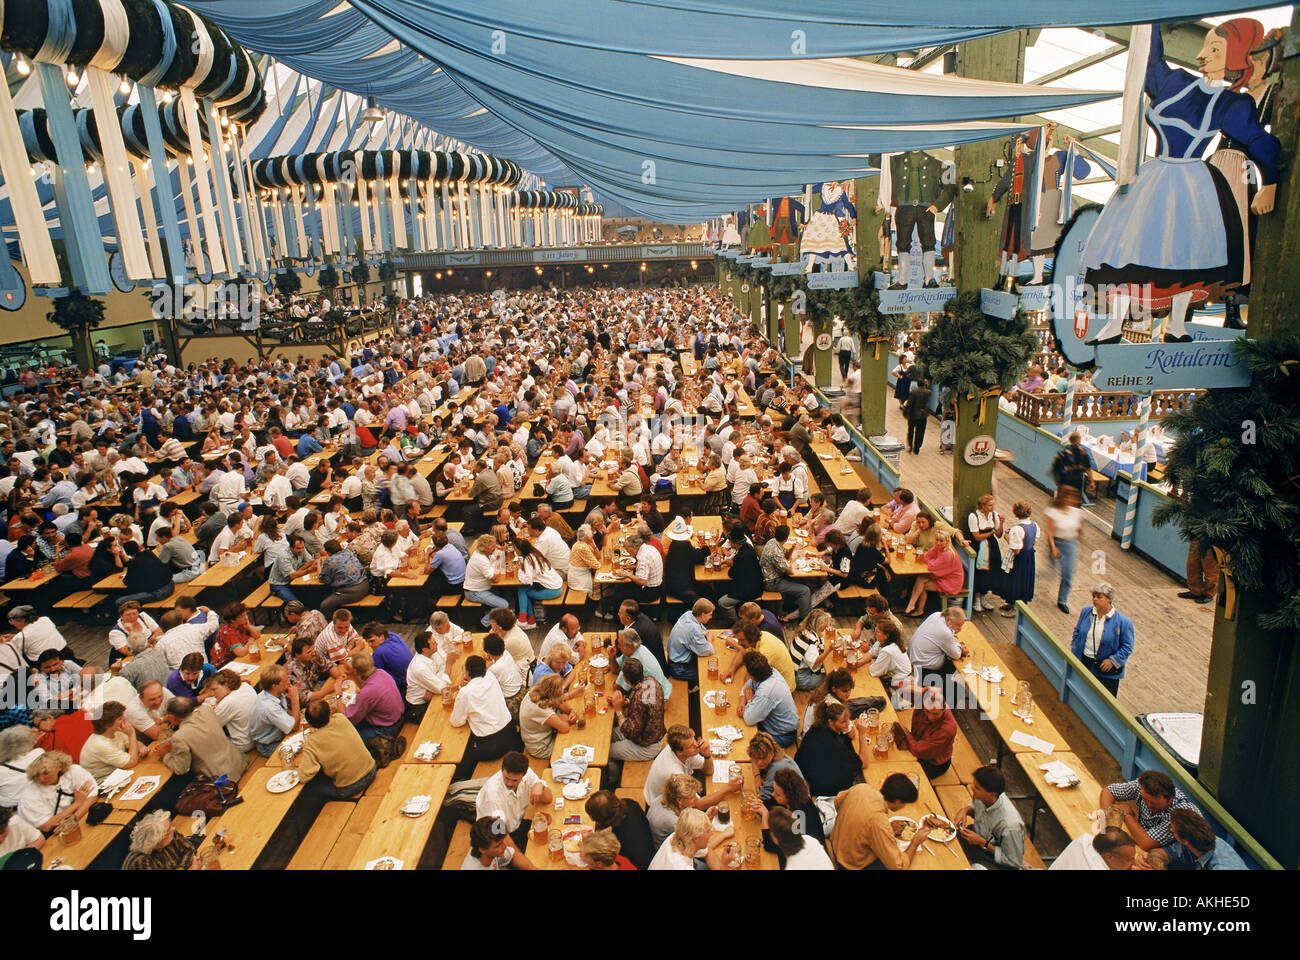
x=860, y=705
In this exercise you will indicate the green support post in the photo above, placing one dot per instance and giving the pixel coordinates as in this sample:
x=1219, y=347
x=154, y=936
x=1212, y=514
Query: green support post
x=791, y=331
x=1252, y=704
x=1000, y=57
x=874, y=354
x=875, y=370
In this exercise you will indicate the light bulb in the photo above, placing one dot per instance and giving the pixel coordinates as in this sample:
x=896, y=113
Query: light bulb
x=124, y=87
x=22, y=66
x=73, y=79
x=168, y=96
x=225, y=121
x=189, y=161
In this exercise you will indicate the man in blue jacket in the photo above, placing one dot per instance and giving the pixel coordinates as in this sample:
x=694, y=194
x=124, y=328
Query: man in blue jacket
x=1103, y=638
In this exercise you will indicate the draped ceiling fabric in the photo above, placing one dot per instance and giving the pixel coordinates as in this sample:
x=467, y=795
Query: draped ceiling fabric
x=679, y=109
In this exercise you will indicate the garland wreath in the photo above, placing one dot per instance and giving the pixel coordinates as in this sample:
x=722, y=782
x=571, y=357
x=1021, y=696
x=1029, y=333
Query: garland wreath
x=1237, y=463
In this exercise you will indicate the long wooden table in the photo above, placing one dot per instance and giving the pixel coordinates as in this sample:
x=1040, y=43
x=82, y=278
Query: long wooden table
x=391, y=833
x=995, y=699
x=1071, y=806
x=598, y=729
x=838, y=469
x=250, y=825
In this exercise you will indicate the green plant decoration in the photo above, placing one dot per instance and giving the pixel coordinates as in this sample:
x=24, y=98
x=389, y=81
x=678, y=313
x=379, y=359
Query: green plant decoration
x=1237, y=463
x=974, y=353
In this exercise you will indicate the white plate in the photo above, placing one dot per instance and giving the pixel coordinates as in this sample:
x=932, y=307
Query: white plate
x=935, y=832
x=600, y=661
x=576, y=791
x=282, y=781
x=708, y=696
x=908, y=825
x=571, y=753
x=719, y=748
x=728, y=732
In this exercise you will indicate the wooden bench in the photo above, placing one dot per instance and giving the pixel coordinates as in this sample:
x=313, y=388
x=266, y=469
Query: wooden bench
x=854, y=593
x=677, y=707
x=458, y=848
x=964, y=763
x=320, y=839
x=448, y=601
x=636, y=794
x=1104, y=484
x=771, y=596
x=263, y=599
x=635, y=773
x=576, y=598
x=81, y=600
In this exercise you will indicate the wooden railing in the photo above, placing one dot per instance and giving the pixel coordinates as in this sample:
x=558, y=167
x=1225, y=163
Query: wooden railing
x=1050, y=407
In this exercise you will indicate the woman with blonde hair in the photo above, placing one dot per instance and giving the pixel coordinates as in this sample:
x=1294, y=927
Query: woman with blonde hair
x=601, y=851
x=693, y=835
x=543, y=714
x=57, y=790
x=809, y=648
x=946, y=574
x=679, y=793
x=584, y=561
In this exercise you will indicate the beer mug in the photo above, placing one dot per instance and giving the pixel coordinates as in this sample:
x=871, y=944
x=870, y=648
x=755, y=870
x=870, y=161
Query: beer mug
x=555, y=844
x=1022, y=692
x=753, y=850
x=977, y=659
x=873, y=719
x=713, y=668
x=881, y=745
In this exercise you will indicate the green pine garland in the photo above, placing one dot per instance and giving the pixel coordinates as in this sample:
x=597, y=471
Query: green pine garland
x=1237, y=462
x=971, y=352
x=329, y=278
x=859, y=308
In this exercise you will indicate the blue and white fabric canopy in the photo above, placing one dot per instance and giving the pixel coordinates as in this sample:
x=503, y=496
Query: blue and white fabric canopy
x=679, y=109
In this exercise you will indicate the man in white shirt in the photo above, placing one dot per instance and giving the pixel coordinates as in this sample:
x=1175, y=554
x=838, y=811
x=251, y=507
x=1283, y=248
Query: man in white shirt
x=509, y=792
x=682, y=753
x=548, y=542
x=934, y=645
x=143, y=710
x=482, y=705
x=448, y=636
x=853, y=512
x=426, y=675
x=233, y=537
x=278, y=490
x=180, y=638
x=503, y=666
x=567, y=632
x=230, y=490
x=1112, y=849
